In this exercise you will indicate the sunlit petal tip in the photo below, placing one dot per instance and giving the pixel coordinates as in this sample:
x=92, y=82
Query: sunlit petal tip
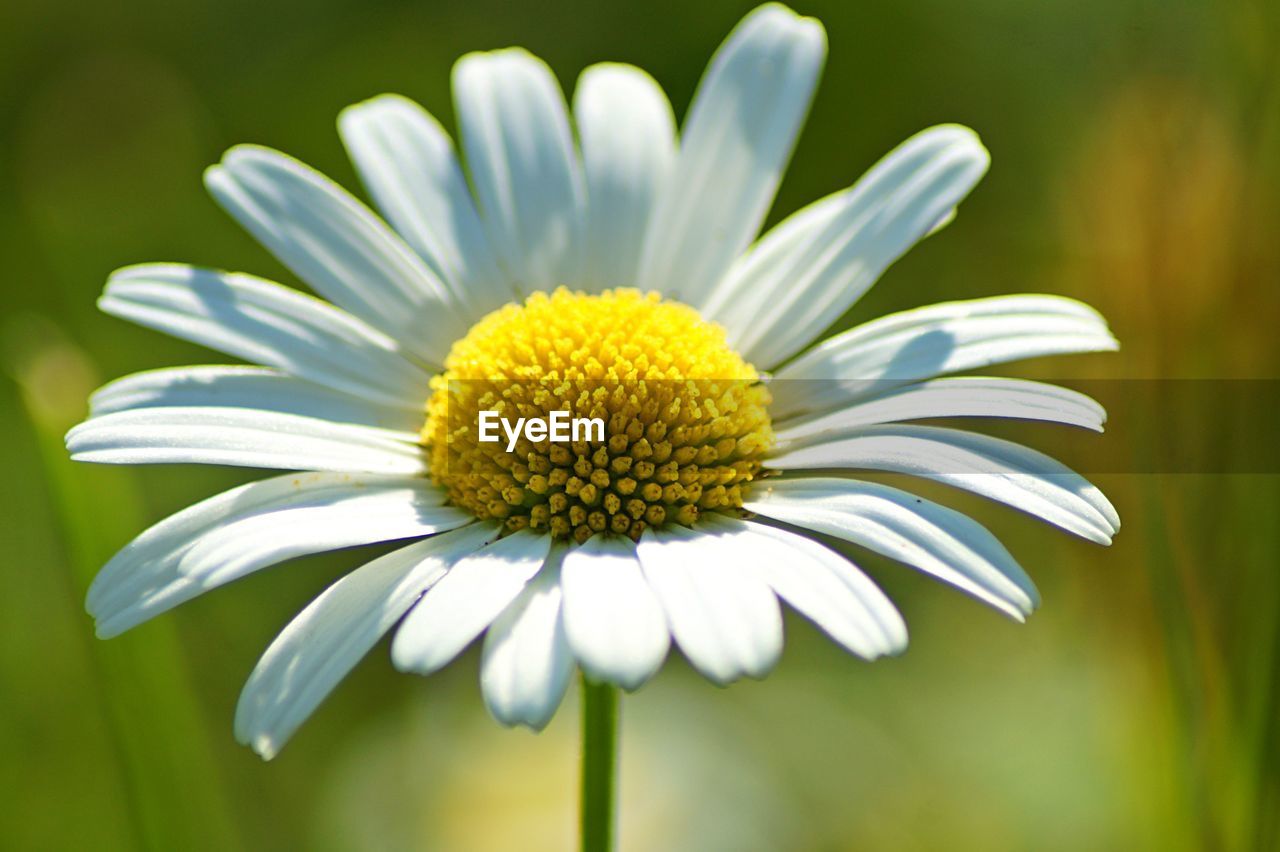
x=962, y=137
x=104, y=631
x=806, y=35
x=355, y=118
x=126, y=273
x=220, y=178
x=1108, y=510
x=613, y=72
x=471, y=67
x=389, y=101
x=898, y=648
x=352, y=117
x=266, y=747
x=516, y=721
x=782, y=15
x=1083, y=309
x=246, y=152
x=515, y=50
x=215, y=178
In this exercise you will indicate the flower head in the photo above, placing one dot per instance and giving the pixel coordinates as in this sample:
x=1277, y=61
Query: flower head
x=614, y=275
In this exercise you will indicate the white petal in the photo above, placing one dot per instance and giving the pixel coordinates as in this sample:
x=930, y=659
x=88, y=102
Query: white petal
x=612, y=619
x=243, y=437
x=408, y=162
x=268, y=324
x=821, y=584
x=931, y=341
x=332, y=242
x=261, y=388
x=723, y=616
x=736, y=140
x=1002, y=470
x=515, y=131
x=628, y=144
x=325, y=641
x=805, y=273
x=256, y=525
x=527, y=663
x=956, y=397
x=932, y=538
x=467, y=600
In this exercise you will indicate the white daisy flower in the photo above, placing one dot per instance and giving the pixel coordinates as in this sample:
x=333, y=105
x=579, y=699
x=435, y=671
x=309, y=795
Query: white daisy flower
x=590, y=261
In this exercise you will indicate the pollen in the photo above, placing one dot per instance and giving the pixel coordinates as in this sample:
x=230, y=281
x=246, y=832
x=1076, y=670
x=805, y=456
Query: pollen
x=686, y=418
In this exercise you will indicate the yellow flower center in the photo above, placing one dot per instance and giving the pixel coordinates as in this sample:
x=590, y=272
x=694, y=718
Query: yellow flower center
x=685, y=419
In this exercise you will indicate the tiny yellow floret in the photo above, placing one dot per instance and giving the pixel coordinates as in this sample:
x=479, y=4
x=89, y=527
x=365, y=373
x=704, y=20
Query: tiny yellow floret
x=686, y=419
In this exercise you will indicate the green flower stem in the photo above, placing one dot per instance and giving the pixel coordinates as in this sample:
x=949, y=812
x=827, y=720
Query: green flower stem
x=599, y=765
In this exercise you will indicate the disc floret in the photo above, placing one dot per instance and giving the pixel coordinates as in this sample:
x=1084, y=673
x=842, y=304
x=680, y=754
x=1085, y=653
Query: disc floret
x=686, y=418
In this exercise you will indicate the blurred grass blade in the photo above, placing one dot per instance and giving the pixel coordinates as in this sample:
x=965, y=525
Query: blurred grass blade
x=168, y=770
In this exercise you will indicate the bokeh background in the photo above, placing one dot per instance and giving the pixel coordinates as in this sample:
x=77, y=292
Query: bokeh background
x=1136, y=165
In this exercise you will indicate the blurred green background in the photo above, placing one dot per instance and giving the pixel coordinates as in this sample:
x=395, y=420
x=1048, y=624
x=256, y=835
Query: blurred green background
x=1136, y=165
